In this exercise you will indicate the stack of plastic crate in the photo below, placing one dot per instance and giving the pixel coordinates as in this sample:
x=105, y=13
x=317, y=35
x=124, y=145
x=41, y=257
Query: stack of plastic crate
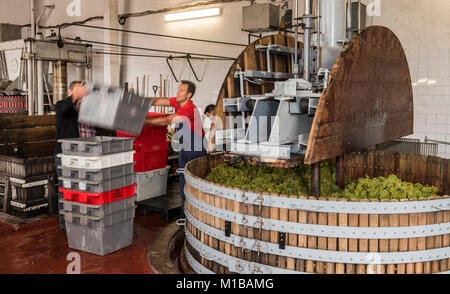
x=96, y=179
x=151, y=169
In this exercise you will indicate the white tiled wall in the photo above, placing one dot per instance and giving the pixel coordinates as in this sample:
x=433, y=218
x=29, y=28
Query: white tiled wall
x=431, y=86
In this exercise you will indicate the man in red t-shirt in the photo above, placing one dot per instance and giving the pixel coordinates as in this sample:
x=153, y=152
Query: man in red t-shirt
x=190, y=131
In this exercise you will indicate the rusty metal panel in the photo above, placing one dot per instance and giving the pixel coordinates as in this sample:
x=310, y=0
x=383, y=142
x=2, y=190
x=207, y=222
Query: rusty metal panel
x=369, y=99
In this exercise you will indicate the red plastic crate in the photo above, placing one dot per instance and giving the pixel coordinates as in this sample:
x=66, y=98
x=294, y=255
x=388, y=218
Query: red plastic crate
x=147, y=159
x=150, y=135
x=98, y=198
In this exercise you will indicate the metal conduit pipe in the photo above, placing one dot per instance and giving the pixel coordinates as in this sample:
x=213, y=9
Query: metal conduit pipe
x=306, y=41
x=40, y=83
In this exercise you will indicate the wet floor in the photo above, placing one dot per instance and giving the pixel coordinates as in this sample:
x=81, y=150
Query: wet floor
x=42, y=248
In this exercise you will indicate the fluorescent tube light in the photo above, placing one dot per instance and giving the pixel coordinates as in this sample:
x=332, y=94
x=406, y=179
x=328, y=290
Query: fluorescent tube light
x=192, y=14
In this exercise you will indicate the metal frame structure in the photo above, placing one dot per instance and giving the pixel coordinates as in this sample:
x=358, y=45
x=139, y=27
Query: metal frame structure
x=36, y=52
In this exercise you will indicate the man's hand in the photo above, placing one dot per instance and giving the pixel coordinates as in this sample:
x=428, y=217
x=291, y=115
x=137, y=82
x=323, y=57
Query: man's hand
x=161, y=121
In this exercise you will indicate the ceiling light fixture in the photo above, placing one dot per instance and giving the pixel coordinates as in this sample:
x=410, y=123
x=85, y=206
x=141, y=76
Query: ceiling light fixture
x=192, y=14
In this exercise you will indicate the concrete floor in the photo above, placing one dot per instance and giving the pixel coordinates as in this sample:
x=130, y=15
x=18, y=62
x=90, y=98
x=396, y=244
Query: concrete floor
x=42, y=248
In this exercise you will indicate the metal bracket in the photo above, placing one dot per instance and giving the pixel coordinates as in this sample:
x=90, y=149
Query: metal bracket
x=282, y=240
x=227, y=228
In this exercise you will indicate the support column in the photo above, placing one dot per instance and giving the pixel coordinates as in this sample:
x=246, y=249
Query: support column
x=111, y=62
x=315, y=179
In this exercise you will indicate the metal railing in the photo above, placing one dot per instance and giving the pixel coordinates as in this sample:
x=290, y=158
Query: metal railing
x=413, y=146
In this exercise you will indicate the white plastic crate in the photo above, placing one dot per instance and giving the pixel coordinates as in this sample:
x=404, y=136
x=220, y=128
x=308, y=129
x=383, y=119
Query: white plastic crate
x=151, y=184
x=100, y=162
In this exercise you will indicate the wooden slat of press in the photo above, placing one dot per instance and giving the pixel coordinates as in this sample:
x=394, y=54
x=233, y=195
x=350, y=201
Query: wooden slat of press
x=250, y=64
x=216, y=224
x=275, y=215
x=265, y=234
x=360, y=165
x=393, y=243
x=421, y=242
x=363, y=243
x=21, y=122
x=332, y=220
x=280, y=60
x=302, y=239
x=403, y=243
x=312, y=240
x=412, y=242
x=370, y=163
x=249, y=232
x=445, y=263
x=284, y=216
x=292, y=238
x=221, y=226
x=262, y=64
x=240, y=229
x=438, y=218
x=342, y=242
x=353, y=221
x=229, y=249
x=384, y=243
x=373, y=243
x=322, y=219
x=204, y=237
x=429, y=242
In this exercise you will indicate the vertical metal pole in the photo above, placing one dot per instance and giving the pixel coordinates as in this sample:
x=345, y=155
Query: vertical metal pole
x=295, y=22
x=40, y=83
x=318, y=34
x=30, y=82
x=359, y=16
x=269, y=69
x=340, y=171
x=33, y=23
x=315, y=179
x=306, y=42
x=349, y=19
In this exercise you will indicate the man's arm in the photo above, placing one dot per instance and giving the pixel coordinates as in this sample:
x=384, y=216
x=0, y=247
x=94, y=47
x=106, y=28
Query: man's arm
x=63, y=107
x=165, y=120
x=160, y=101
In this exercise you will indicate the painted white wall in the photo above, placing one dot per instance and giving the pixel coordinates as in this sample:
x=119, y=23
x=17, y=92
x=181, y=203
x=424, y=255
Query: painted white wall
x=423, y=27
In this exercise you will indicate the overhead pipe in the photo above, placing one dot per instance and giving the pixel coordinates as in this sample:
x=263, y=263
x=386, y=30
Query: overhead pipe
x=32, y=18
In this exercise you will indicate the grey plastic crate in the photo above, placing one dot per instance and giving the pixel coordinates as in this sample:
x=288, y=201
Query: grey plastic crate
x=100, y=235
x=95, y=146
x=120, y=110
x=98, y=210
x=95, y=175
x=96, y=186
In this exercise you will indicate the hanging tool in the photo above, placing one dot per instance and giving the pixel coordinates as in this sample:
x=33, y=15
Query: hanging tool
x=143, y=87
x=160, y=86
x=155, y=90
x=148, y=85
x=137, y=86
